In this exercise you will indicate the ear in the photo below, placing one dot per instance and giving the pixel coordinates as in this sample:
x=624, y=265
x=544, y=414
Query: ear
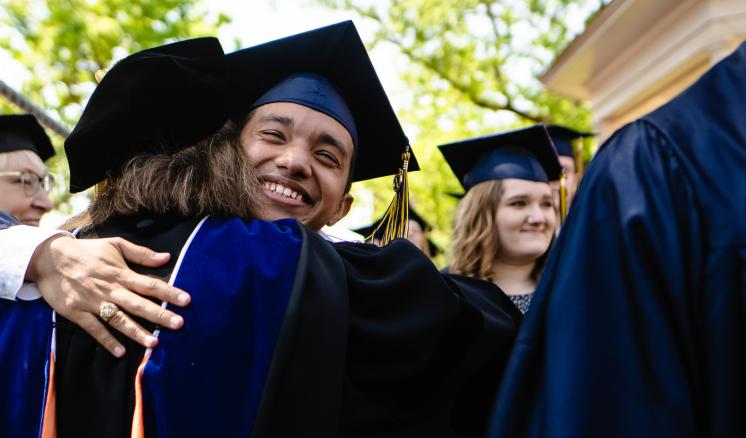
x=344, y=208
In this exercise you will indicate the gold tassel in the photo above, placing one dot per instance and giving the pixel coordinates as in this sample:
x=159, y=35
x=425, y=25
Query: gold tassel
x=563, y=196
x=99, y=188
x=395, y=221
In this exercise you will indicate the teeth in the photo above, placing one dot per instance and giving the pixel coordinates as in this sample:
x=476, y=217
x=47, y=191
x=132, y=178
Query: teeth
x=282, y=190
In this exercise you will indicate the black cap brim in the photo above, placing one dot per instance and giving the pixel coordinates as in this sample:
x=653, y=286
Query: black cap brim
x=23, y=132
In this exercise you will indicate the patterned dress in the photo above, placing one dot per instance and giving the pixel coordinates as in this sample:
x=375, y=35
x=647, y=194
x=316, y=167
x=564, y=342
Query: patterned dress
x=522, y=302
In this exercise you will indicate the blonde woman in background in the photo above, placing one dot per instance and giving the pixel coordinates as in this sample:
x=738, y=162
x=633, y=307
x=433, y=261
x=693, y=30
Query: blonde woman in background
x=505, y=223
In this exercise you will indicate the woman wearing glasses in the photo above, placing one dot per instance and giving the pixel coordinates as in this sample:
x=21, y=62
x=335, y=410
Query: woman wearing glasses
x=24, y=180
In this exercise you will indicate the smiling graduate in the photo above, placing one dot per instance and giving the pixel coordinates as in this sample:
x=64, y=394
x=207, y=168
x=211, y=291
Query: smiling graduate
x=505, y=223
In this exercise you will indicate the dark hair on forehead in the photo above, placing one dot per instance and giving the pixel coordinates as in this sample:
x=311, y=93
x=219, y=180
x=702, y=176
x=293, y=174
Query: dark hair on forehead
x=353, y=161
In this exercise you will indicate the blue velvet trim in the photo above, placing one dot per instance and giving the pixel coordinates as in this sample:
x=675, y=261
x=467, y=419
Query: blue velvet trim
x=25, y=334
x=207, y=378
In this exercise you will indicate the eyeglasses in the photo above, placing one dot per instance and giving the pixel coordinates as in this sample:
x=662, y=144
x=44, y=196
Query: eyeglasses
x=31, y=181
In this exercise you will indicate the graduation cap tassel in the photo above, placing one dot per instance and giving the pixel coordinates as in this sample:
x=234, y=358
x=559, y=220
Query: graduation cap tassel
x=563, y=196
x=395, y=221
x=100, y=188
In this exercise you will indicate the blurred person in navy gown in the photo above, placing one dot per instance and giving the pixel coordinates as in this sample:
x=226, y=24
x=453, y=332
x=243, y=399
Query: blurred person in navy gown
x=637, y=327
x=563, y=138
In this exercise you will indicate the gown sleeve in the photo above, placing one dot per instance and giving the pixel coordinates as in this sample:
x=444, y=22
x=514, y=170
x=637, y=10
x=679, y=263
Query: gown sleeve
x=424, y=350
x=609, y=345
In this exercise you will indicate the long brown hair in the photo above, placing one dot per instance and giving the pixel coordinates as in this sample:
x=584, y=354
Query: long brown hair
x=212, y=177
x=475, y=241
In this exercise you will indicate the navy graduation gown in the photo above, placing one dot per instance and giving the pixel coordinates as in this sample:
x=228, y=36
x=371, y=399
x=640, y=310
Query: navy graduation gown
x=637, y=326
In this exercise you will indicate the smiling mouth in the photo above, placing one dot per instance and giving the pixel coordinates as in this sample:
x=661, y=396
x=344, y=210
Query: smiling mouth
x=286, y=192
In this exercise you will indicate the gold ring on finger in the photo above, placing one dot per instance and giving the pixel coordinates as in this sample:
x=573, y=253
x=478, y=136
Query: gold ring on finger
x=107, y=310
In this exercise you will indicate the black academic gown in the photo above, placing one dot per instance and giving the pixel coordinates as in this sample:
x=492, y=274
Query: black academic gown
x=375, y=342
x=637, y=326
x=391, y=347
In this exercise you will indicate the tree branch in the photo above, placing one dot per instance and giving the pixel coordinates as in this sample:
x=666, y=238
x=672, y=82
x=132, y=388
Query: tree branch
x=476, y=99
x=25, y=105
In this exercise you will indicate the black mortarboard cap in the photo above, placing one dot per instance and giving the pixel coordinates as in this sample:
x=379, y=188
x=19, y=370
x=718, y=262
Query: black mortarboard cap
x=562, y=137
x=158, y=100
x=525, y=153
x=337, y=54
x=413, y=216
x=367, y=230
x=23, y=132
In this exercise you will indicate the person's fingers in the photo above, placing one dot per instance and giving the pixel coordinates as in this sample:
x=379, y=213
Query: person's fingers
x=153, y=287
x=98, y=331
x=140, y=254
x=132, y=330
x=146, y=309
